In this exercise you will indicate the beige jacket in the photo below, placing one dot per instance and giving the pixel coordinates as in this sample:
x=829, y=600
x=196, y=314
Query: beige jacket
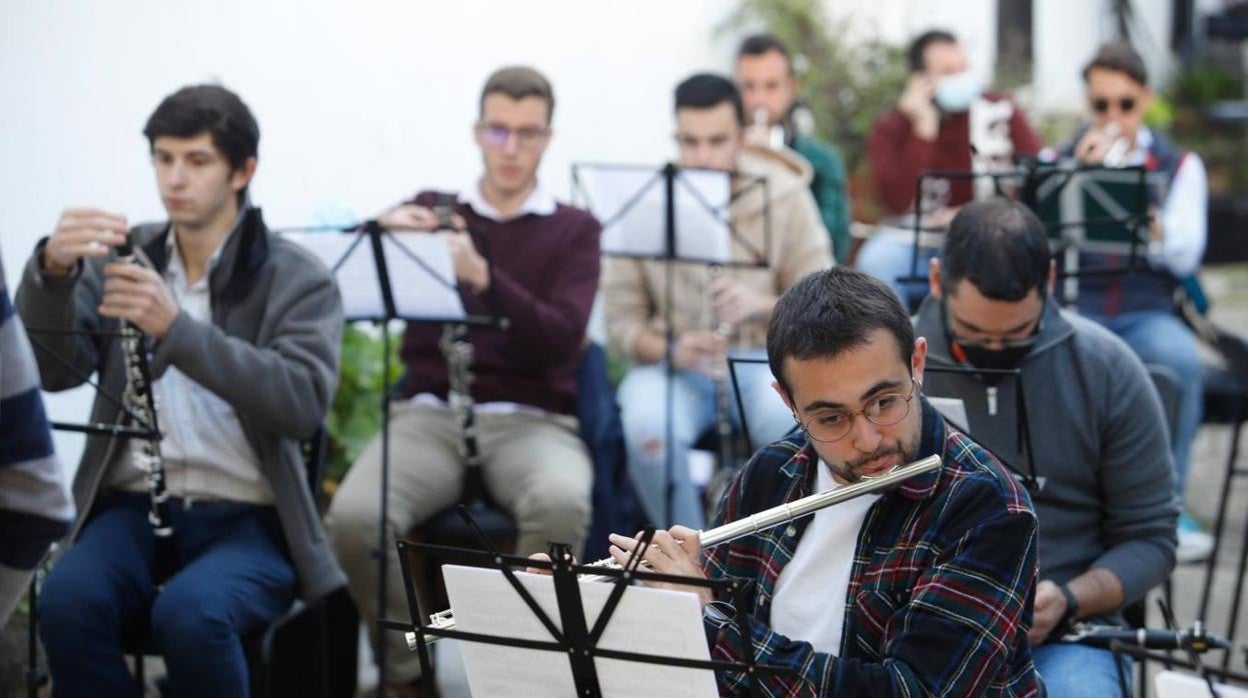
x=633, y=289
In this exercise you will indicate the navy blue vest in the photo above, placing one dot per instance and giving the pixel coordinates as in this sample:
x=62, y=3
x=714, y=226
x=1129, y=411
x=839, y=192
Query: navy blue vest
x=1143, y=288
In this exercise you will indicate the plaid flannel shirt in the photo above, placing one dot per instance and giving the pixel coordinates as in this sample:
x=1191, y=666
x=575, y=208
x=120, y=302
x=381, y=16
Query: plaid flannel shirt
x=940, y=593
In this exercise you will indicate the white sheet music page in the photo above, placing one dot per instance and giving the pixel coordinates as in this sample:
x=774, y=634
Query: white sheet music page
x=702, y=230
x=631, y=204
x=356, y=274
x=422, y=277
x=650, y=621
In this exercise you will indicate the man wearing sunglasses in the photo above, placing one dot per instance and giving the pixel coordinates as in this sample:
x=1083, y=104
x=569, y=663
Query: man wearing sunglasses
x=1139, y=306
x=519, y=254
x=924, y=589
x=1106, y=508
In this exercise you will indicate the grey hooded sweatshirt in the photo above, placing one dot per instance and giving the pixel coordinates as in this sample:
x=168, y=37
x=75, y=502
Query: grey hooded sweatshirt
x=1099, y=442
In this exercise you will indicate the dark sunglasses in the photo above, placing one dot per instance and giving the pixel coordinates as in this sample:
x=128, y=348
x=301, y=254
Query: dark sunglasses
x=1101, y=105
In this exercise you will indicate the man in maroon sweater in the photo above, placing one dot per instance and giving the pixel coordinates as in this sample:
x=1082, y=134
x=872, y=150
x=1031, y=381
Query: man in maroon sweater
x=945, y=121
x=541, y=274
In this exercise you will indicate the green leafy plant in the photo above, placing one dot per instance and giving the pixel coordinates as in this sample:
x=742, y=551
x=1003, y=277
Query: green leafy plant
x=356, y=413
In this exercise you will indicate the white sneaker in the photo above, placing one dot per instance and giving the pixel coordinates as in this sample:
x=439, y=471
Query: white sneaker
x=1194, y=544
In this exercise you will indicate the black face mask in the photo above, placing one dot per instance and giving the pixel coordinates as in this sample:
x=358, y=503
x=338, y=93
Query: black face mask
x=1006, y=358
x=1001, y=359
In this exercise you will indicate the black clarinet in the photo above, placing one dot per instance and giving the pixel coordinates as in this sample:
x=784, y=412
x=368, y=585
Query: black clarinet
x=458, y=351
x=140, y=403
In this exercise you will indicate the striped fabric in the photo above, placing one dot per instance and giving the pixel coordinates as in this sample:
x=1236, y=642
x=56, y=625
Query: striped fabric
x=35, y=503
x=940, y=593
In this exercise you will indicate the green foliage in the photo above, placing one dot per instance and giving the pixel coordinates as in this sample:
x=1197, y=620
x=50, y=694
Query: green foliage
x=847, y=84
x=356, y=413
x=1201, y=85
x=1224, y=148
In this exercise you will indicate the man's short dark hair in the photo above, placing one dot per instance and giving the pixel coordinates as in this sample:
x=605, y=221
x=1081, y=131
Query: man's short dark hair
x=706, y=90
x=1119, y=57
x=762, y=44
x=518, y=82
x=919, y=46
x=195, y=109
x=833, y=311
x=1000, y=247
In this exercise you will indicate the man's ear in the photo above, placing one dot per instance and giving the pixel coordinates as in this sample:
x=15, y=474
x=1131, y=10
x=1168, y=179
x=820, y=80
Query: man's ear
x=240, y=178
x=784, y=395
x=933, y=278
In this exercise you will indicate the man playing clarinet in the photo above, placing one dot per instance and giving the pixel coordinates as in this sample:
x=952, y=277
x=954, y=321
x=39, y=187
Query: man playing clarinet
x=924, y=589
x=240, y=331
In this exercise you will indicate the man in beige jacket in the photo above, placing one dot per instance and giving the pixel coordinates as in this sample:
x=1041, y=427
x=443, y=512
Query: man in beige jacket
x=709, y=133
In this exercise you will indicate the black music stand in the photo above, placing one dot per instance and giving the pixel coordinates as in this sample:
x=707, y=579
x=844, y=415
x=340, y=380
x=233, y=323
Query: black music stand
x=1028, y=478
x=672, y=250
x=574, y=636
x=383, y=243
x=1043, y=187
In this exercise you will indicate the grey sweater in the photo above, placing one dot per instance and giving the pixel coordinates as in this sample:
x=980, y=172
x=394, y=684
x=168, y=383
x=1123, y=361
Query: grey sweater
x=271, y=352
x=1099, y=440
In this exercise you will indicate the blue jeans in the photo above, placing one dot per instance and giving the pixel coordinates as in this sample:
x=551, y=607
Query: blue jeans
x=1163, y=339
x=1075, y=671
x=643, y=410
x=889, y=260
x=233, y=578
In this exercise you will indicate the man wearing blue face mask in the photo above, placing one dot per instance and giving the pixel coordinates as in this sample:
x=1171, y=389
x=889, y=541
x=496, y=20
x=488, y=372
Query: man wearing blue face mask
x=944, y=120
x=1106, y=510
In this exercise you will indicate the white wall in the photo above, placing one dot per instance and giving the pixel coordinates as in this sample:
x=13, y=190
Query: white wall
x=359, y=103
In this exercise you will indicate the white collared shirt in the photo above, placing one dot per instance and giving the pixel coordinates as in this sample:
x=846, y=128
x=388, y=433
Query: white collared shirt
x=205, y=453
x=1184, y=211
x=539, y=202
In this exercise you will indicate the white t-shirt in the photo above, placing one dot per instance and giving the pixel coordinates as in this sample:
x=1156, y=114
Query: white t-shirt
x=809, y=603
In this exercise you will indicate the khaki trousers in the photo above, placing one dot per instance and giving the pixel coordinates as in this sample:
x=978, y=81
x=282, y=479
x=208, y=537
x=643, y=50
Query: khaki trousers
x=535, y=467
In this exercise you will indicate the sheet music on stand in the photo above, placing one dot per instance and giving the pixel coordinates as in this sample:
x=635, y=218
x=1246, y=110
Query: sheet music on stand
x=407, y=257
x=655, y=621
x=631, y=202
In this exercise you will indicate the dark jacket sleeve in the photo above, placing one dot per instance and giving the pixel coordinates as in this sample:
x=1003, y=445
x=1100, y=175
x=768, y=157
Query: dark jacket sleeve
x=1026, y=144
x=62, y=303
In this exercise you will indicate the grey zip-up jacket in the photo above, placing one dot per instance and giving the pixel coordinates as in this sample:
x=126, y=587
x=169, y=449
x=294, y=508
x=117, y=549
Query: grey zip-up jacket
x=271, y=352
x=1099, y=440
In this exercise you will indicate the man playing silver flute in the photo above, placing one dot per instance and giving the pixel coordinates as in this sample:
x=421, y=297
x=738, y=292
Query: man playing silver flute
x=923, y=589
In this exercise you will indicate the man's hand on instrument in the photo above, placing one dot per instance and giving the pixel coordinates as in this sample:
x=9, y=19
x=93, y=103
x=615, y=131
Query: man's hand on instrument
x=82, y=232
x=676, y=551
x=1094, y=146
x=138, y=295
x=471, y=268
x=734, y=302
x=1048, y=611
x=421, y=218
x=698, y=350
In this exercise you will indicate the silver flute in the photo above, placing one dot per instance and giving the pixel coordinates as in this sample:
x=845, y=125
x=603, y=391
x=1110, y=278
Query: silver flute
x=140, y=401
x=765, y=519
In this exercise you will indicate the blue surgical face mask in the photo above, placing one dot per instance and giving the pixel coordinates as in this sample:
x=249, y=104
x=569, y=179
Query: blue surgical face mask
x=954, y=93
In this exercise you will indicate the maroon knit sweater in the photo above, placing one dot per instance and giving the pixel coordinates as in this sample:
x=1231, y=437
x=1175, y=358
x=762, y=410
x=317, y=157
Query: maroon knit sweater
x=898, y=156
x=543, y=276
